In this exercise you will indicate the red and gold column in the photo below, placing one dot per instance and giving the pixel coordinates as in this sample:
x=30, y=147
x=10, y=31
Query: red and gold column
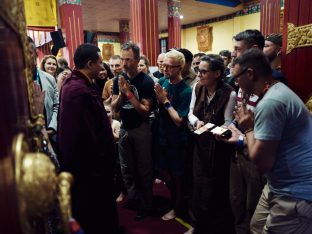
x=72, y=26
x=174, y=24
x=144, y=27
x=270, y=16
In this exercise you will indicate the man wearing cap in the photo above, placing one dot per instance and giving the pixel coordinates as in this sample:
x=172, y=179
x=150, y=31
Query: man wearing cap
x=272, y=50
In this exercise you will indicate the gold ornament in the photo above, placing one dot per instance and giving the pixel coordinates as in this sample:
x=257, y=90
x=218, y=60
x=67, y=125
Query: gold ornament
x=298, y=36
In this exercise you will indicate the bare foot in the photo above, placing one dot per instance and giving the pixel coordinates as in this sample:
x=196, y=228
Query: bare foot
x=120, y=197
x=190, y=231
x=170, y=215
x=157, y=181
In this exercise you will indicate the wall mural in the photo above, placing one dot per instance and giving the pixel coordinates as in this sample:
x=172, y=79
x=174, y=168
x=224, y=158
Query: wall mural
x=204, y=38
x=107, y=51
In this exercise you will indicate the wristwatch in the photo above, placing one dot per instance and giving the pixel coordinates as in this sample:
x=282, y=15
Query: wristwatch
x=167, y=105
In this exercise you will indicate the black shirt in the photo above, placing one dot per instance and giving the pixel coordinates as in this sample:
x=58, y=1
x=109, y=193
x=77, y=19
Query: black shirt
x=142, y=87
x=158, y=75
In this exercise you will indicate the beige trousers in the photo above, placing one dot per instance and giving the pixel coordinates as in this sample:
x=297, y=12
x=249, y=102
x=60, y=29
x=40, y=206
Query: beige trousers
x=281, y=215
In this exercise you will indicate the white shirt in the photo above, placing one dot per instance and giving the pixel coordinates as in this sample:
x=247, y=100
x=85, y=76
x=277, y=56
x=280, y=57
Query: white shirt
x=228, y=113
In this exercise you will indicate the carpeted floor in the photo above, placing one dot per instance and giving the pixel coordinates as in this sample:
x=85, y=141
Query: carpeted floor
x=152, y=224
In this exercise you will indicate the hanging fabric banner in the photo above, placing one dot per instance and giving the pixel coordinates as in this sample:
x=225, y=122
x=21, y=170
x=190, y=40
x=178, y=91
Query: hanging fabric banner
x=40, y=13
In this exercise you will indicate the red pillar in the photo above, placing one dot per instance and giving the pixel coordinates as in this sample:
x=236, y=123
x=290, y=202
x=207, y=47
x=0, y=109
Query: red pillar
x=174, y=23
x=72, y=27
x=144, y=27
x=124, y=30
x=270, y=16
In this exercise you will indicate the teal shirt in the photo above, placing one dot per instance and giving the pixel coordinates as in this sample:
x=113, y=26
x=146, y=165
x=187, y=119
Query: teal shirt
x=179, y=96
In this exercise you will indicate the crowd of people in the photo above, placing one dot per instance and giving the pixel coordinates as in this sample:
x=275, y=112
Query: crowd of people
x=118, y=128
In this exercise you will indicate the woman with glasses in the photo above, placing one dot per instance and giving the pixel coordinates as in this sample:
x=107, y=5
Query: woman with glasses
x=213, y=102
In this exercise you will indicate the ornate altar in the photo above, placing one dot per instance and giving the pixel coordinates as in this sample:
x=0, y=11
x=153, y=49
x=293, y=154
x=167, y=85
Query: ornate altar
x=29, y=184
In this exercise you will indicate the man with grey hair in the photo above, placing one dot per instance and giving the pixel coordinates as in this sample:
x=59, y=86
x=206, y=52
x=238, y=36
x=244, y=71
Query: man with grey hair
x=133, y=97
x=160, y=60
x=174, y=96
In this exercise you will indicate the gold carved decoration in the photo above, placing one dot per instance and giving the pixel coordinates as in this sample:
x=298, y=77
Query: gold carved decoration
x=36, y=182
x=298, y=36
x=204, y=38
x=34, y=173
x=65, y=181
x=38, y=186
x=107, y=51
x=12, y=11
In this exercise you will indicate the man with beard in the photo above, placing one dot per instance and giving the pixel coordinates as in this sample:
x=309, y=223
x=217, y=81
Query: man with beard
x=86, y=144
x=196, y=61
x=278, y=135
x=272, y=49
x=133, y=98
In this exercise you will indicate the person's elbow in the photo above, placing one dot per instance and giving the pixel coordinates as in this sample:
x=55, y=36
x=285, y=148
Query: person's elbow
x=262, y=169
x=179, y=121
x=264, y=163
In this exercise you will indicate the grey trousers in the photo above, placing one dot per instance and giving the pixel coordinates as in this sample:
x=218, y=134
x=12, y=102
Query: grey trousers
x=136, y=163
x=281, y=215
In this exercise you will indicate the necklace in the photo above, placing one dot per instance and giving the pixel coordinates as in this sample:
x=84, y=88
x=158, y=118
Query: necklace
x=266, y=87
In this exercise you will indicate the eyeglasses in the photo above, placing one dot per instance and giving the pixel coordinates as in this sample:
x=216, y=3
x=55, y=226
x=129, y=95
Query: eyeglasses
x=239, y=74
x=196, y=63
x=170, y=66
x=203, y=72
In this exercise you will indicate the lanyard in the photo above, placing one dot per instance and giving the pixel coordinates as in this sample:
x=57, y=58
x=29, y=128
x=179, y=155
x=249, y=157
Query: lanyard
x=267, y=86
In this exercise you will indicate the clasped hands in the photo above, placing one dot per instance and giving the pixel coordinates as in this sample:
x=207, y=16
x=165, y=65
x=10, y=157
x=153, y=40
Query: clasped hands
x=124, y=86
x=244, y=117
x=161, y=93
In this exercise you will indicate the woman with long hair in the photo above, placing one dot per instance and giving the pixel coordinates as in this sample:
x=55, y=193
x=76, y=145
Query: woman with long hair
x=104, y=77
x=49, y=65
x=143, y=66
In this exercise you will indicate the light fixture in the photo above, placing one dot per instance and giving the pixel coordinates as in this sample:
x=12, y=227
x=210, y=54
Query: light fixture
x=181, y=16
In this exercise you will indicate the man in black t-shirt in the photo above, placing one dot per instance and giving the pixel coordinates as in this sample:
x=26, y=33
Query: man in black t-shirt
x=133, y=97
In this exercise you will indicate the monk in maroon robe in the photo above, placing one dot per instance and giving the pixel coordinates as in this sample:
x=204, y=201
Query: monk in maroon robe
x=86, y=145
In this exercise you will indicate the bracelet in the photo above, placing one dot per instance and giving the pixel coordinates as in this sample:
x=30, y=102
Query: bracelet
x=129, y=95
x=248, y=130
x=240, y=142
x=234, y=122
